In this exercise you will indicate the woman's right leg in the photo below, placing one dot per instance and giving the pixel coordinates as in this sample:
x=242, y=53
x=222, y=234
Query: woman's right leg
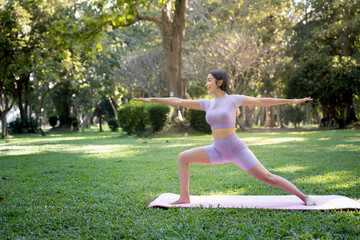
x=195, y=155
x=261, y=173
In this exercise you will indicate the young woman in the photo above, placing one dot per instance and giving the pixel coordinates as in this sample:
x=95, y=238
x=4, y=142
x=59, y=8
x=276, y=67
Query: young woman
x=227, y=147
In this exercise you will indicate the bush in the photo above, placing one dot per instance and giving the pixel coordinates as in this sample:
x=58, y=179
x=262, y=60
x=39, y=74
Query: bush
x=133, y=117
x=113, y=124
x=157, y=116
x=294, y=115
x=23, y=126
x=198, y=121
x=53, y=120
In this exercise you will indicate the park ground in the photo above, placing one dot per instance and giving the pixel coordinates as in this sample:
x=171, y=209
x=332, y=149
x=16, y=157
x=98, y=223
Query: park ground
x=93, y=185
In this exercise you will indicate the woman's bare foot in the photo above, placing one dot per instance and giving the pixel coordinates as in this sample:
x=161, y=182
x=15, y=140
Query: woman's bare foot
x=181, y=200
x=309, y=202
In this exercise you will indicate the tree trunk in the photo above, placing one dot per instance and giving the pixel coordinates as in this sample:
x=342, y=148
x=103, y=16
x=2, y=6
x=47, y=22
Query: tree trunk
x=113, y=107
x=100, y=118
x=345, y=44
x=280, y=121
x=262, y=116
x=23, y=96
x=4, y=131
x=26, y=80
x=269, y=122
x=38, y=104
x=62, y=104
x=350, y=111
x=246, y=116
x=5, y=109
x=173, y=32
x=20, y=101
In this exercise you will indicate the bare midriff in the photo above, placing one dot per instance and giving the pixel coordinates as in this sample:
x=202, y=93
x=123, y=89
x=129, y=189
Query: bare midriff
x=223, y=132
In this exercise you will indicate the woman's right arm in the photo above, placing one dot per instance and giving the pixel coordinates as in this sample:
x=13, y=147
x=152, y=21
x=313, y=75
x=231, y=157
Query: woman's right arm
x=177, y=102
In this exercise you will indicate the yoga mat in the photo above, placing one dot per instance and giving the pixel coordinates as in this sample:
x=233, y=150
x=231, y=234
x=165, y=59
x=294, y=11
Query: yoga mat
x=285, y=202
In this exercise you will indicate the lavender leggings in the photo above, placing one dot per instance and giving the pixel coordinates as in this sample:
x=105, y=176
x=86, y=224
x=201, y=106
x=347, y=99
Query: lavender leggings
x=231, y=149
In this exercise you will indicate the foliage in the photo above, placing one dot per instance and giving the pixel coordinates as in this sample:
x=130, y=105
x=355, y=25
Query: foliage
x=239, y=55
x=294, y=115
x=332, y=83
x=133, y=117
x=105, y=109
x=143, y=72
x=326, y=56
x=87, y=189
x=198, y=121
x=157, y=116
x=23, y=126
x=53, y=119
x=113, y=124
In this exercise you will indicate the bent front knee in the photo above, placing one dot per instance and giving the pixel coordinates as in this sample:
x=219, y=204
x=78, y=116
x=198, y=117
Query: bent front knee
x=182, y=158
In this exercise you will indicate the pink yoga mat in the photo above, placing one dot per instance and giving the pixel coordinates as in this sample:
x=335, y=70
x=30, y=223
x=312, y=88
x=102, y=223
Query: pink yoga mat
x=286, y=202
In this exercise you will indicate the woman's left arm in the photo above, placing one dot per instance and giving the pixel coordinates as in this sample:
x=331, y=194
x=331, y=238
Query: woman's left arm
x=272, y=101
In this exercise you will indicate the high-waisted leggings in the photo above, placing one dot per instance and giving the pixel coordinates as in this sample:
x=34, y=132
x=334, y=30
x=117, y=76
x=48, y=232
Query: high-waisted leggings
x=231, y=149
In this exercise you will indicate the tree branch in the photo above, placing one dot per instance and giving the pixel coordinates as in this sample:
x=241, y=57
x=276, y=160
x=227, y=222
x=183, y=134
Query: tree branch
x=135, y=20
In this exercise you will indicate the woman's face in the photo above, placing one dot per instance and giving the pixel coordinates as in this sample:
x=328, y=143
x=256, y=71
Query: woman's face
x=211, y=85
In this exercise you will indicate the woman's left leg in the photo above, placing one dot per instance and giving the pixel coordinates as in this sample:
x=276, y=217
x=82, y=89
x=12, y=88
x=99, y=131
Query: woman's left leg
x=261, y=173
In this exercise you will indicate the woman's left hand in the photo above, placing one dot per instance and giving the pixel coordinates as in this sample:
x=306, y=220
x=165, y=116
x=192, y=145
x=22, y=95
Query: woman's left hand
x=296, y=101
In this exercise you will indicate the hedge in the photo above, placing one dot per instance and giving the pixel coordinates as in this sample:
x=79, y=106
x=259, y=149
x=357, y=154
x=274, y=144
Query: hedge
x=135, y=116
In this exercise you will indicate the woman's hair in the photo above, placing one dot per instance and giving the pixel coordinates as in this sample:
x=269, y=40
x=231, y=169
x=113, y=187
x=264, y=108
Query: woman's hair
x=220, y=74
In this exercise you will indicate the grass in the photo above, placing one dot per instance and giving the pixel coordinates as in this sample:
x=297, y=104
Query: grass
x=95, y=185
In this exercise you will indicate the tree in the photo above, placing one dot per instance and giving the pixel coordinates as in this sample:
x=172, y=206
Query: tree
x=326, y=34
x=170, y=17
x=143, y=72
x=13, y=38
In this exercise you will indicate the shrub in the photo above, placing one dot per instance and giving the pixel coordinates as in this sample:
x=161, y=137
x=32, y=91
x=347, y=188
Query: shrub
x=198, y=121
x=133, y=117
x=113, y=124
x=23, y=126
x=53, y=120
x=157, y=116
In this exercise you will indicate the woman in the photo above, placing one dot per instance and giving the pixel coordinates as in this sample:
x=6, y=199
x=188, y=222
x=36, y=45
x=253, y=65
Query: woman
x=227, y=147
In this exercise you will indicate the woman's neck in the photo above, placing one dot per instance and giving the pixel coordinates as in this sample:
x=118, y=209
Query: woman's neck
x=218, y=94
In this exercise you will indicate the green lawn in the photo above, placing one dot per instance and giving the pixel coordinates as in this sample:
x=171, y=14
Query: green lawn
x=96, y=185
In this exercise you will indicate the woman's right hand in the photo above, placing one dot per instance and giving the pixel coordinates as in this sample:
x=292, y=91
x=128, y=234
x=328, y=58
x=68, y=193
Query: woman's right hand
x=142, y=99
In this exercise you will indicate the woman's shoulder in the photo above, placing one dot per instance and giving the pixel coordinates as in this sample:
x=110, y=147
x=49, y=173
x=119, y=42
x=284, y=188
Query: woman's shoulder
x=237, y=99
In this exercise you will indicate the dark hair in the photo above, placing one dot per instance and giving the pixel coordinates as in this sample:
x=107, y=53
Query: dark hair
x=220, y=74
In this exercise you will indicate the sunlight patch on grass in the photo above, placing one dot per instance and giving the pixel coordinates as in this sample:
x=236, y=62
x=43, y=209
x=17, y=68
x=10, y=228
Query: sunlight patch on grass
x=179, y=145
x=324, y=139
x=346, y=184
x=327, y=178
x=290, y=169
x=227, y=192
x=103, y=151
x=268, y=141
x=94, y=150
x=18, y=150
x=100, y=148
x=253, y=139
x=345, y=147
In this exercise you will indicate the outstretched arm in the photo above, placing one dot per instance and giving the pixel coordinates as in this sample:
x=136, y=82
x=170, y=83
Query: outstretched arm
x=272, y=101
x=177, y=102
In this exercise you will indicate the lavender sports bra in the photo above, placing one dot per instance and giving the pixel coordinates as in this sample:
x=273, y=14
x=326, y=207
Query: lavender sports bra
x=221, y=112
